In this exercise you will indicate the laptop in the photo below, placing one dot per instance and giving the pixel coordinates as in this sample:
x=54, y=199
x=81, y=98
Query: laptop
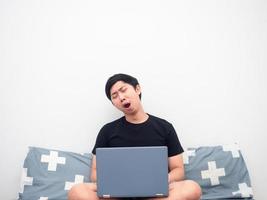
x=132, y=172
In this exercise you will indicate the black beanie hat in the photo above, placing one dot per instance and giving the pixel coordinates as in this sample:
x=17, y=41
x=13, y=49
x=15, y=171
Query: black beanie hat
x=120, y=77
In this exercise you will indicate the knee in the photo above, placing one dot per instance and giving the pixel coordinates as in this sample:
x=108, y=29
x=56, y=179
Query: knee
x=78, y=192
x=193, y=190
x=75, y=192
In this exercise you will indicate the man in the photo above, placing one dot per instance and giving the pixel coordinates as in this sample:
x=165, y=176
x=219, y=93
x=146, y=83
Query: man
x=137, y=128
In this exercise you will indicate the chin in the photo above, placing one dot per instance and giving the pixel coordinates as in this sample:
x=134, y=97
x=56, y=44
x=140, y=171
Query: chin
x=132, y=112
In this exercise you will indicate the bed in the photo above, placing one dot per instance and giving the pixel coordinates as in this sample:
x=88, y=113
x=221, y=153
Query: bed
x=48, y=174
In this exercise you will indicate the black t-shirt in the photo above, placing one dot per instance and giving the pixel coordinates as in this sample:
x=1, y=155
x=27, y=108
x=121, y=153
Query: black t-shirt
x=153, y=132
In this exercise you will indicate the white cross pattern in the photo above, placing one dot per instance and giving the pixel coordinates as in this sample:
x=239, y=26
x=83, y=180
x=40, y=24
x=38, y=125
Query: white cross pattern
x=213, y=173
x=25, y=180
x=244, y=190
x=234, y=148
x=186, y=155
x=53, y=160
x=43, y=198
x=78, y=179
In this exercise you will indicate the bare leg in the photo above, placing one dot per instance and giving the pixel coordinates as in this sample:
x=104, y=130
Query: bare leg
x=84, y=191
x=183, y=190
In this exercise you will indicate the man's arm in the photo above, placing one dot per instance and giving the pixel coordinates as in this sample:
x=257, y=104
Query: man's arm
x=176, y=167
x=93, y=169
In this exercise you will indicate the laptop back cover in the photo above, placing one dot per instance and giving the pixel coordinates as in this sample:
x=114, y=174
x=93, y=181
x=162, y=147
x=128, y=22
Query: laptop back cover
x=132, y=171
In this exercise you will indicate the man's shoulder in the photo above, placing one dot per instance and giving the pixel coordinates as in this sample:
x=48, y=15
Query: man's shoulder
x=159, y=120
x=113, y=123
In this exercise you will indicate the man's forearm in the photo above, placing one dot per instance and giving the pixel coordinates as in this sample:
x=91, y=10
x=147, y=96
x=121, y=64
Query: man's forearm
x=177, y=174
x=93, y=176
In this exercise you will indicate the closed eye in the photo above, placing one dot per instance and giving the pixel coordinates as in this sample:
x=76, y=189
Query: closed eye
x=123, y=89
x=114, y=96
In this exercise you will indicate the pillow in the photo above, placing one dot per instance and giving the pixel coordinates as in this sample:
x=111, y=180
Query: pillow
x=220, y=170
x=49, y=174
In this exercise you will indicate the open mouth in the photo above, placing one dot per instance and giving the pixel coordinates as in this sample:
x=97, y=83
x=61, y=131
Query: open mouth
x=127, y=105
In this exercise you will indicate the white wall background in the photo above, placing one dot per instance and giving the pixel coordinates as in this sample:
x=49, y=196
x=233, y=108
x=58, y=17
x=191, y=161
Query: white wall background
x=201, y=64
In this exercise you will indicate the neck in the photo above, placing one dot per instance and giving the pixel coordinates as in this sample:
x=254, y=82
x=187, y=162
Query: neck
x=138, y=117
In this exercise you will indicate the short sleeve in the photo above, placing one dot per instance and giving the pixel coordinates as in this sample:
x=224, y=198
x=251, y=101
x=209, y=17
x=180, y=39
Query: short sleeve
x=173, y=143
x=101, y=140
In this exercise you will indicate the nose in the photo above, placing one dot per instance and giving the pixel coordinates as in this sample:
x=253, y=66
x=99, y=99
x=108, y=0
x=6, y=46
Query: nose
x=121, y=97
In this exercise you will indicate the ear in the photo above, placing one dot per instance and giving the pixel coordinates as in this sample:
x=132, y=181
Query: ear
x=138, y=89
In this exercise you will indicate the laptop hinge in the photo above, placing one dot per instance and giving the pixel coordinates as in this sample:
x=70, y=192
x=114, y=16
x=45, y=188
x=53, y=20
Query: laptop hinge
x=159, y=195
x=106, y=196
